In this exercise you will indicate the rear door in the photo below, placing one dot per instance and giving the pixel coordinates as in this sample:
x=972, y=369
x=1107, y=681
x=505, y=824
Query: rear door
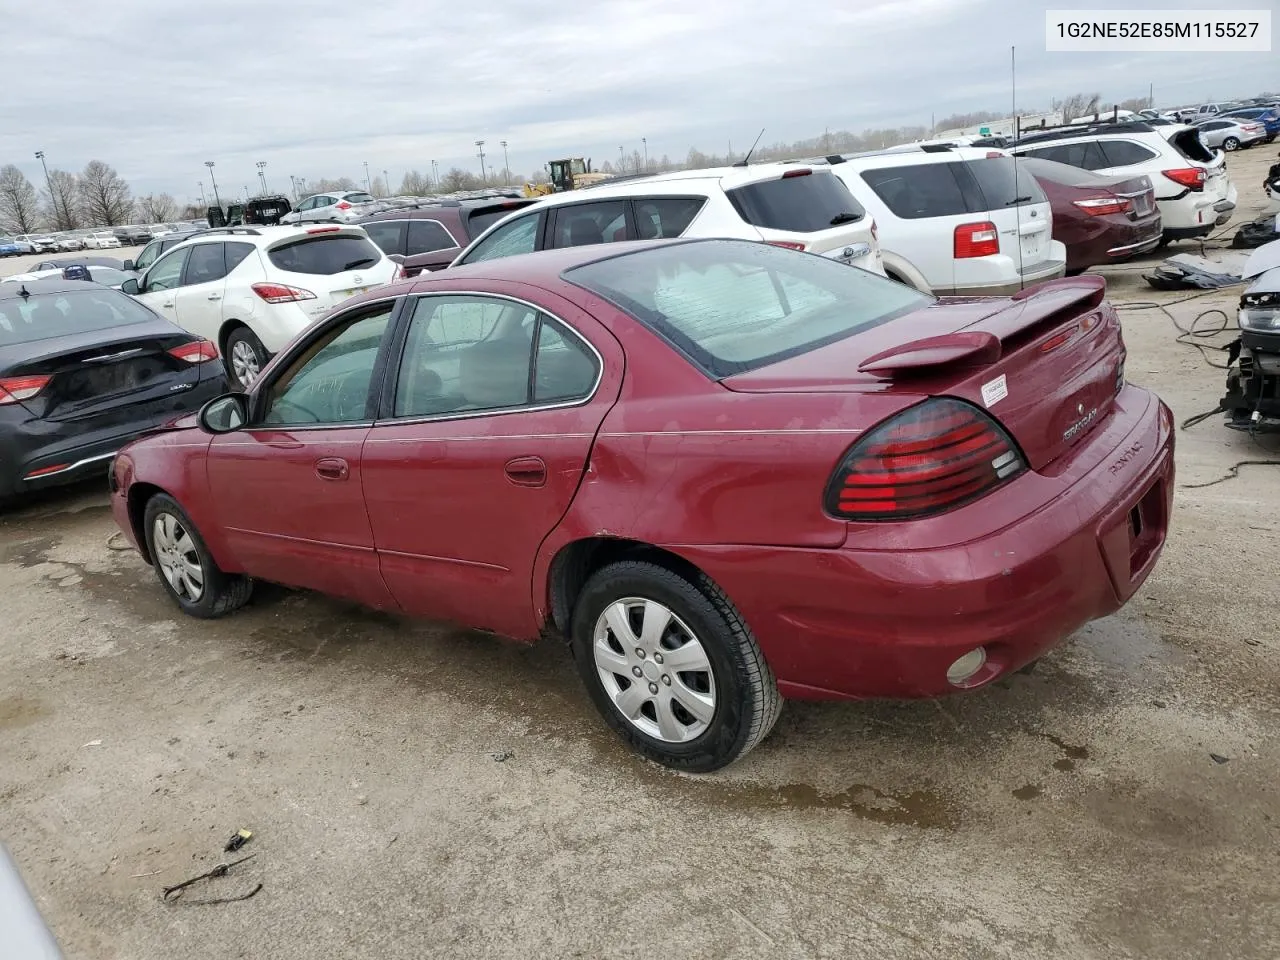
x=480, y=446
x=201, y=298
x=428, y=246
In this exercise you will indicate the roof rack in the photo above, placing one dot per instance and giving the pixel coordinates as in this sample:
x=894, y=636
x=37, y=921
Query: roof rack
x=242, y=231
x=1066, y=130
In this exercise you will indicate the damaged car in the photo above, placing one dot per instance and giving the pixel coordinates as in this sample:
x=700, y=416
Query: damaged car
x=1252, y=401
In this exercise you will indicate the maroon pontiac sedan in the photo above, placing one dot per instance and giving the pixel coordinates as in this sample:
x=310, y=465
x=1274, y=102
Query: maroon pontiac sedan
x=727, y=472
x=1100, y=219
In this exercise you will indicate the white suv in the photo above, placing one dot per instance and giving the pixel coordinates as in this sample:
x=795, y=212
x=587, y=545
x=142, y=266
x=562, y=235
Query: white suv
x=251, y=290
x=956, y=221
x=801, y=207
x=1190, y=180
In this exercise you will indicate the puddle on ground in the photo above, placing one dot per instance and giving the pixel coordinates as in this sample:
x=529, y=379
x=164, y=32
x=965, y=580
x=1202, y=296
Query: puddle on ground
x=1071, y=750
x=1065, y=764
x=919, y=808
x=1028, y=792
x=28, y=553
x=16, y=712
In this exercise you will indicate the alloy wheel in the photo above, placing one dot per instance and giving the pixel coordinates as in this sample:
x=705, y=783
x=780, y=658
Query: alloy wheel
x=178, y=558
x=245, y=364
x=654, y=669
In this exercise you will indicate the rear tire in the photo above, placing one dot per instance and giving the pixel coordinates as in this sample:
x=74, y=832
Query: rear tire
x=185, y=566
x=245, y=356
x=718, y=707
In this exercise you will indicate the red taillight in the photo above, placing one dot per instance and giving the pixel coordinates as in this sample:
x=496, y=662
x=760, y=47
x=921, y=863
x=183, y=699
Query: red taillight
x=788, y=244
x=17, y=389
x=201, y=351
x=324, y=230
x=976, y=240
x=796, y=173
x=281, y=293
x=928, y=459
x=1190, y=177
x=1100, y=206
x=342, y=205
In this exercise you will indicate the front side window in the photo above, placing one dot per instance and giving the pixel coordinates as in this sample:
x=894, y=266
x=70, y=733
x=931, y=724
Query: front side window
x=205, y=264
x=167, y=273
x=330, y=382
x=147, y=256
x=584, y=224
x=518, y=236
x=730, y=306
x=1085, y=154
x=387, y=234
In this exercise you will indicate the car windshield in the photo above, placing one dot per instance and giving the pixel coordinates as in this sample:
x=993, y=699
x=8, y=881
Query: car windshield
x=45, y=316
x=732, y=306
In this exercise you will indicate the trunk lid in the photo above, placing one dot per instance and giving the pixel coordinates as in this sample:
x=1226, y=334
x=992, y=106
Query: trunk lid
x=1045, y=363
x=334, y=263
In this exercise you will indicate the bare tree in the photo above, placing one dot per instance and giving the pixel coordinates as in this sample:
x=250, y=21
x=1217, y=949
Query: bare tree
x=1077, y=105
x=104, y=197
x=329, y=186
x=415, y=184
x=379, y=188
x=458, y=179
x=157, y=208
x=19, y=209
x=62, y=201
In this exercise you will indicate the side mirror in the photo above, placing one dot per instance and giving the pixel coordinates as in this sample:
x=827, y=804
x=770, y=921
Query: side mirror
x=130, y=285
x=225, y=413
x=127, y=265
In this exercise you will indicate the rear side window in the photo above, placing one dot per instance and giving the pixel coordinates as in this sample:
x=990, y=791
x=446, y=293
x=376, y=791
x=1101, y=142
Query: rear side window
x=325, y=255
x=359, y=198
x=1123, y=153
x=1085, y=154
x=584, y=224
x=1003, y=184
x=663, y=217
x=799, y=203
x=428, y=235
x=919, y=191
x=387, y=234
x=236, y=254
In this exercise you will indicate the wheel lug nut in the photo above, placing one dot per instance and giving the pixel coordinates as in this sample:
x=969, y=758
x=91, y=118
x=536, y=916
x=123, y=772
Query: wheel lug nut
x=640, y=653
x=657, y=658
x=666, y=678
x=636, y=671
x=653, y=688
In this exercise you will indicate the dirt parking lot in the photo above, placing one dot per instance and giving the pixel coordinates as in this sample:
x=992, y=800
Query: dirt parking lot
x=418, y=791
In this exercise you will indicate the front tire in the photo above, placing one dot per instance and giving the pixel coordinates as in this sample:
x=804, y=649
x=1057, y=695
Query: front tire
x=184, y=565
x=1230, y=144
x=672, y=666
x=246, y=356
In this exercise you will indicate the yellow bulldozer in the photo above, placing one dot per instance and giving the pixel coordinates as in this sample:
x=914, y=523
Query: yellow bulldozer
x=572, y=173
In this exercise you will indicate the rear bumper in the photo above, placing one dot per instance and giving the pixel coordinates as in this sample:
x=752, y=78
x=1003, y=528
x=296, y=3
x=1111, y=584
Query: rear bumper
x=1004, y=288
x=890, y=611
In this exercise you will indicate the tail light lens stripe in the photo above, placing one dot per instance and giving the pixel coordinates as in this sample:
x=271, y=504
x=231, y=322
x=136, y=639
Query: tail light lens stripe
x=17, y=389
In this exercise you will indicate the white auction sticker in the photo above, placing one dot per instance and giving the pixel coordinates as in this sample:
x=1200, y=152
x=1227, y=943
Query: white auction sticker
x=993, y=391
x=1158, y=31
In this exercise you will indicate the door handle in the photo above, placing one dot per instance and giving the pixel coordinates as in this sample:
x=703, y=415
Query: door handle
x=215, y=296
x=167, y=306
x=527, y=471
x=332, y=468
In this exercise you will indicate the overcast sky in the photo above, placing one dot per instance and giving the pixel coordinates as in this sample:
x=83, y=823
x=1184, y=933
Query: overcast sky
x=317, y=87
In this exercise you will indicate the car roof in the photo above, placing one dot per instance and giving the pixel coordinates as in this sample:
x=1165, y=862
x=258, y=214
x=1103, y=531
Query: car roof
x=898, y=158
x=726, y=178
x=47, y=285
x=264, y=234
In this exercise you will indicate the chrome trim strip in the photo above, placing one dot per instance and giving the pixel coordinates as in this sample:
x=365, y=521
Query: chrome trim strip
x=74, y=466
x=1139, y=247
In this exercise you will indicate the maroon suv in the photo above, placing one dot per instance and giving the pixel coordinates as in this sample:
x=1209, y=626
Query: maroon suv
x=429, y=235
x=1100, y=219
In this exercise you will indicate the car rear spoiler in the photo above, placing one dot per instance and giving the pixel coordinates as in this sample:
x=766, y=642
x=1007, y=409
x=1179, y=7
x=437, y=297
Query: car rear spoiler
x=983, y=342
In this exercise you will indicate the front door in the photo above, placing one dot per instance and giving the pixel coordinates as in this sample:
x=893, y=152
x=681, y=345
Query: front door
x=481, y=449
x=159, y=286
x=288, y=488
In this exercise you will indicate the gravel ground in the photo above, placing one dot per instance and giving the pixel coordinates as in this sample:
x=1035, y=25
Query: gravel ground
x=419, y=791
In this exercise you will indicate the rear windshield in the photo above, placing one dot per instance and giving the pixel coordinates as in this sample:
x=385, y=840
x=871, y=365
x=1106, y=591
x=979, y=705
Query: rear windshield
x=45, y=316
x=325, y=255
x=732, y=305
x=800, y=203
x=359, y=198
x=1003, y=185
x=485, y=217
x=1188, y=143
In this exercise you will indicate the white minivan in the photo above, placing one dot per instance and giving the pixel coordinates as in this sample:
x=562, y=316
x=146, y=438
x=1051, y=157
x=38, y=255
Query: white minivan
x=956, y=221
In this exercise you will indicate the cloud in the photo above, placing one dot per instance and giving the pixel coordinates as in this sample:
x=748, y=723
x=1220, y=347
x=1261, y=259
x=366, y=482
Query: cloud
x=316, y=89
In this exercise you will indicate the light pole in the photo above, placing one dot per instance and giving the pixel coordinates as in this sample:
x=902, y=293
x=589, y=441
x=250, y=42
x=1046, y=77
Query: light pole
x=52, y=199
x=483, y=177
x=506, y=167
x=367, y=182
x=203, y=201
x=622, y=163
x=246, y=193
x=217, y=201
x=645, y=141
x=435, y=174
x=386, y=182
x=262, y=177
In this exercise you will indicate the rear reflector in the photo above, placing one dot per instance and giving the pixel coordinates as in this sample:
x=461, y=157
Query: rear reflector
x=45, y=471
x=931, y=458
x=976, y=240
x=201, y=351
x=1190, y=177
x=324, y=230
x=788, y=244
x=17, y=389
x=1100, y=206
x=281, y=293
x=796, y=173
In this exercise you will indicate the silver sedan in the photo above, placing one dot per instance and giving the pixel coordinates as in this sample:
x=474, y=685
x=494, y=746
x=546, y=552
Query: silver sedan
x=1230, y=133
